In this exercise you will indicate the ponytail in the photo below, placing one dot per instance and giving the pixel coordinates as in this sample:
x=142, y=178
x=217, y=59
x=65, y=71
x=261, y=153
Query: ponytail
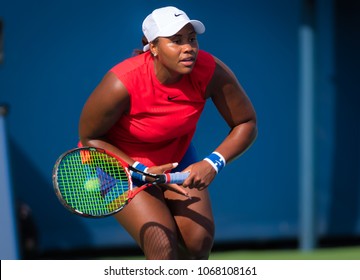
x=144, y=42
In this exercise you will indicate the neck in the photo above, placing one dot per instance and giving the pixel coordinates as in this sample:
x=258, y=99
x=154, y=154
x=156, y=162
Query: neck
x=164, y=75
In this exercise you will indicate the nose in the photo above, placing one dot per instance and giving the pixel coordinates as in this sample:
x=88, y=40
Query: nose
x=187, y=47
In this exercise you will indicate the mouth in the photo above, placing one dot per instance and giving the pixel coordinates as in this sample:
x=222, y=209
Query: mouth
x=189, y=61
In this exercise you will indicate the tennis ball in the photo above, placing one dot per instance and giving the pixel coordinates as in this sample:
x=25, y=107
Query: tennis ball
x=92, y=185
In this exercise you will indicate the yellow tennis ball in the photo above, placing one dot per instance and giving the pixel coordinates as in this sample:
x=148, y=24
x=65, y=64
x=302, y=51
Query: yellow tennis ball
x=92, y=185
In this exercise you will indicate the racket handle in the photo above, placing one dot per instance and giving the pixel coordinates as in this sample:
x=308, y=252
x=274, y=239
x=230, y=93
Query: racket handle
x=176, y=178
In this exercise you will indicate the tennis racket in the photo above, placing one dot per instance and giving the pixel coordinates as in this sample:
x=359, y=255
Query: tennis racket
x=92, y=182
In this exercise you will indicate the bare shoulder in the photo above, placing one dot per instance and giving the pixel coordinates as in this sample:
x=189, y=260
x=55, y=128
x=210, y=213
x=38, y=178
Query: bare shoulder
x=229, y=96
x=111, y=83
x=223, y=79
x=110, y=92
x=105, y=105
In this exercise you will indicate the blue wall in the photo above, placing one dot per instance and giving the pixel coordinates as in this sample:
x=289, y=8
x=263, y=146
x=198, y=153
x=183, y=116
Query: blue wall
x=57, y=52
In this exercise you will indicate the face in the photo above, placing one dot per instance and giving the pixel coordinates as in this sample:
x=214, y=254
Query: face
x=175, y=55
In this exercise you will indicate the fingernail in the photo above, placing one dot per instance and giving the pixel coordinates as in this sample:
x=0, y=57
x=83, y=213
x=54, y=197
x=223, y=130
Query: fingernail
x=175, y=164
x=187, y=195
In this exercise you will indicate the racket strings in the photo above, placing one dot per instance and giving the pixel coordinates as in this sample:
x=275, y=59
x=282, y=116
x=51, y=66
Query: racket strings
x=96, y=186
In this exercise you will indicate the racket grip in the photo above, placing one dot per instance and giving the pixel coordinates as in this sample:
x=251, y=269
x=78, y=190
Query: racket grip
x=176, y=178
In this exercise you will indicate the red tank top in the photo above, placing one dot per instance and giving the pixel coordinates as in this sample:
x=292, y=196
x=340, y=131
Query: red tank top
x=162, y=118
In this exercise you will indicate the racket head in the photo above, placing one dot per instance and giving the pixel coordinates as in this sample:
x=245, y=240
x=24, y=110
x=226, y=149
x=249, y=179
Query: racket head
x=91, y=183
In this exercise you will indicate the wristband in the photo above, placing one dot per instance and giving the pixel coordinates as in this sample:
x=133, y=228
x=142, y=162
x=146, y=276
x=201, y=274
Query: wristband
x=141, y=167
x=216, y=160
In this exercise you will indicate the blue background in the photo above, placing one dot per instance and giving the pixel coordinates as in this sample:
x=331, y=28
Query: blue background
x=56, y=52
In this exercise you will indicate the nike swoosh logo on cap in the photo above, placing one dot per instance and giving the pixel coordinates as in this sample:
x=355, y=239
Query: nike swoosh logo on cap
x=177, y=15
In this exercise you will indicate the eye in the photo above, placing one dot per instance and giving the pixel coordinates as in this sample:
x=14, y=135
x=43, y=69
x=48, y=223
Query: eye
x=193, y=39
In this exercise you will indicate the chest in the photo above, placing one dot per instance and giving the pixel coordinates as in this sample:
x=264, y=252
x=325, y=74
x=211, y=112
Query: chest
x=167, y=112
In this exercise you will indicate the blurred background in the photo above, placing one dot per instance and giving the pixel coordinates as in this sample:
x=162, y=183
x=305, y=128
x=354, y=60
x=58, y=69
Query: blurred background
x=299, y=184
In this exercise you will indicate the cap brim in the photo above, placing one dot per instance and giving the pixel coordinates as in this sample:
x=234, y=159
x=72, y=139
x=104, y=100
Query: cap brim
x=198, y=26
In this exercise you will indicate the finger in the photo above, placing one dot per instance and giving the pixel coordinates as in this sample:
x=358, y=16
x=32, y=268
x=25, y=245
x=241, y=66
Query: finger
x=178, y=189
x=168, y=166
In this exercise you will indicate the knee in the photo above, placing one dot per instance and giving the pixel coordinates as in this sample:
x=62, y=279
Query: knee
x=199, y=244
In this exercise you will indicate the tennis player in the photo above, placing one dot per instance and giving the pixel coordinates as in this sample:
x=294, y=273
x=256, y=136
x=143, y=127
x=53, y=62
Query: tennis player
x=146, y=109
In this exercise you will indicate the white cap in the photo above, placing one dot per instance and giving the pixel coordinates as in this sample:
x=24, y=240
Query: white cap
x=166, y=22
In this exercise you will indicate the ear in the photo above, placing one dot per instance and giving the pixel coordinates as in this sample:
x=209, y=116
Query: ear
x=153, y=49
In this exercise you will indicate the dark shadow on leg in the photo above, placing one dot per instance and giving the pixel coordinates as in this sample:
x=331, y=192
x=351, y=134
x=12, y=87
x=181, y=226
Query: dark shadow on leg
x=158, y=242
x=196, y=231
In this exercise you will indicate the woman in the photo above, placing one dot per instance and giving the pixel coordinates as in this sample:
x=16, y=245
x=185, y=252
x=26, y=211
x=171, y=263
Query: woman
x=146, y=109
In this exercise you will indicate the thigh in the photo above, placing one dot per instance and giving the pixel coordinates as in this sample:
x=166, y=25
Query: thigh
x=193, y=217
x=148, y=220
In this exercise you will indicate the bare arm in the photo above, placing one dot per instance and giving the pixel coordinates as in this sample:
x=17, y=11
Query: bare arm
x=235, y=107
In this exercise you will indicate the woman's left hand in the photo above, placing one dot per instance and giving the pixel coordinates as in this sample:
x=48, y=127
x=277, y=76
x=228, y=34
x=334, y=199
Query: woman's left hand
x=201, y=175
